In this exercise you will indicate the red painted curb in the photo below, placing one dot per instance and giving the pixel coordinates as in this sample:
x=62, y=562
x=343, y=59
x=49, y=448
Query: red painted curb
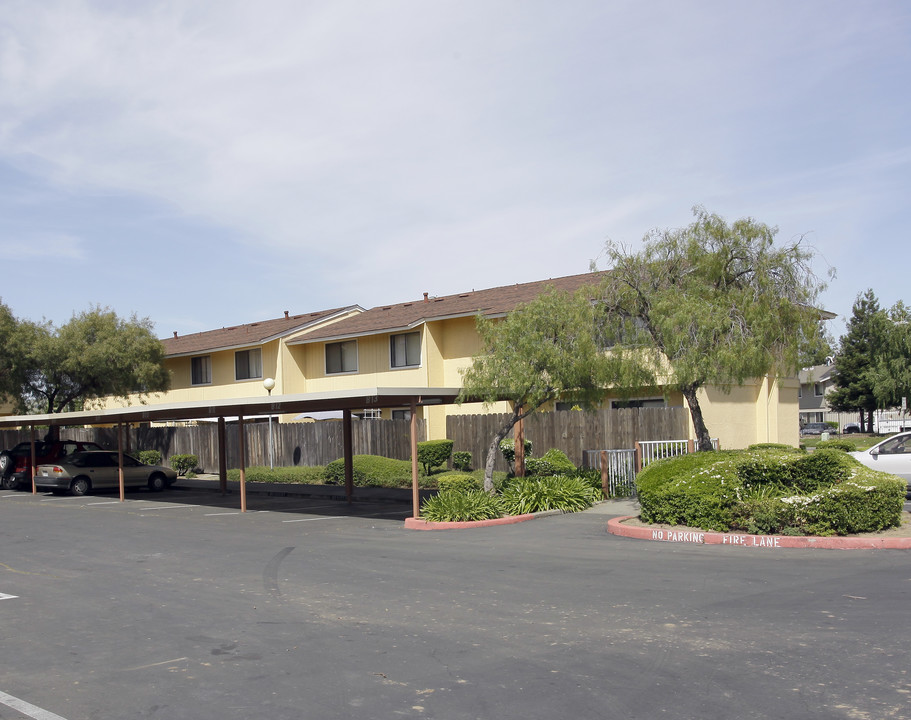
x=616, y=526
x=414, y=523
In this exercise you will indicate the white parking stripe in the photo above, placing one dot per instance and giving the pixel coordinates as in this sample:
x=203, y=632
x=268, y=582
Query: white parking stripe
x=330, y=517
x=33, y=711
x=167, y=507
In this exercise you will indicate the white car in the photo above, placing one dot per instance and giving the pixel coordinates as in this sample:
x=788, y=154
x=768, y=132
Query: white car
x=892, y=455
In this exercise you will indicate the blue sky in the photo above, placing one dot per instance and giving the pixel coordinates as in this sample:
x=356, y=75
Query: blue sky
x=208, y=164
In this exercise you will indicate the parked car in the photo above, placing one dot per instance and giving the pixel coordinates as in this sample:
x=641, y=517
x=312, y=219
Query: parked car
x=99, y=469
x=817, y=428
x=16, y=464
x=851, y=428
x=892, y=455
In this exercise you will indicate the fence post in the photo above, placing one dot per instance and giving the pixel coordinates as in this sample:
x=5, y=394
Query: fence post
x=605, y=486
x=638, y=458
x=691, y=446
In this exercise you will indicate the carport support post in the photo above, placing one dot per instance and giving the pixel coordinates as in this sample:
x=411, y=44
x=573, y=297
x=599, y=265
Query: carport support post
x=349, y=455
x=605, y=478
x=120, y=460
x=34, y=459
x=415, y=492
x=243, y=463
x=222, y=458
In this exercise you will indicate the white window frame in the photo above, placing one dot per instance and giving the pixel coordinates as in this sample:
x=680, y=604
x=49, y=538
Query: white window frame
x=394, y=345
x=205, y=366
x=342, y=370
x=255, y=372
x=819, y=390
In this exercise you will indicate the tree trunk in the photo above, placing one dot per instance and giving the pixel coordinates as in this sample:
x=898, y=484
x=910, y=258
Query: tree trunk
x=703, y=439
x=494, y=449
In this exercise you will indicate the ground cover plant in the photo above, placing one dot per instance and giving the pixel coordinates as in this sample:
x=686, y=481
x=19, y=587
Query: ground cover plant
x=769, y=490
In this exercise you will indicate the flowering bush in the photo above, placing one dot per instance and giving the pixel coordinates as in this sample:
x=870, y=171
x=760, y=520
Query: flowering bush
x=770, y=490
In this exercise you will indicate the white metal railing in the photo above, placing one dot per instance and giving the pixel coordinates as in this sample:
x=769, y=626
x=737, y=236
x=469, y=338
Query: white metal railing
x=622, y=465
x=621, y=469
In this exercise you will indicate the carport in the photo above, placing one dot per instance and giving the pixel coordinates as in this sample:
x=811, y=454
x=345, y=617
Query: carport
x=345, y=401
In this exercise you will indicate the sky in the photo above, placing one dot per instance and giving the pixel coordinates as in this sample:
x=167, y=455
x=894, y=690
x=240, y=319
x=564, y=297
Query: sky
x=207, y=164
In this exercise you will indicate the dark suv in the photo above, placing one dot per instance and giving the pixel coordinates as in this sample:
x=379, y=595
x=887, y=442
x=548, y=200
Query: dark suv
x=16, y=464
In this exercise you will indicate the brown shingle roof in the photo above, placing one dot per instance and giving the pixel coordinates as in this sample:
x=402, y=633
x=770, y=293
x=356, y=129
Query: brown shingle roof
x=494, y=301
x=241, y=335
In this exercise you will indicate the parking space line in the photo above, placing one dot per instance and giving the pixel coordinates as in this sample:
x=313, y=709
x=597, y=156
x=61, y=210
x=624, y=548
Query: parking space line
x=236, y=512
x=167, y=507
x=33, y=711
x=329, y=517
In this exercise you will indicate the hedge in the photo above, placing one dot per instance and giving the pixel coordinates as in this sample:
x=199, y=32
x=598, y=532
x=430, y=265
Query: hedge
x=770, y=491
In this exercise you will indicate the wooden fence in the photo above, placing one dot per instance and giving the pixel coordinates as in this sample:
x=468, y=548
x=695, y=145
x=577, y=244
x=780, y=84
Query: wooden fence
x=319, y=443
x=571, y=431
x=316, y=443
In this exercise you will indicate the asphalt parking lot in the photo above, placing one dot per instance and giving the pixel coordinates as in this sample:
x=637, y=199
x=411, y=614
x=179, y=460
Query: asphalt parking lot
x=176, y=605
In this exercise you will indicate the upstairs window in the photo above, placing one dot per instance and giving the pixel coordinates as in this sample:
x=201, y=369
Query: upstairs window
x=819, y=389
x=201, y=370
x=405, y=350
x=248, y=364
x=341, y=357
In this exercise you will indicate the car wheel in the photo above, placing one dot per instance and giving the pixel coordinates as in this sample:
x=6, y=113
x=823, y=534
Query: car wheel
x=157, y=482
x=80, y=486
x=9, y=482
x=6, y=465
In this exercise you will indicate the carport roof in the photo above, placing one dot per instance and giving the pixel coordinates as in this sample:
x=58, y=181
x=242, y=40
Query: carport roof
x=359, y=399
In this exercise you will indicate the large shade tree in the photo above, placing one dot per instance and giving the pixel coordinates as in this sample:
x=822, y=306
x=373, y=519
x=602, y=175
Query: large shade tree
x=712, y=303
x=543, y=350
x=95, y=355
x=891, y=372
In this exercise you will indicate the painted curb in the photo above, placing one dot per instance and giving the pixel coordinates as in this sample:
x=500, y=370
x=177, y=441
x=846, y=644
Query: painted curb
x=616, y=526
x=414, y=523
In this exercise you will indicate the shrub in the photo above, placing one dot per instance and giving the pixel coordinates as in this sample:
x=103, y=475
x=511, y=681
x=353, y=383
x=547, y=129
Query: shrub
x=372, y=471
x=184, y=463
x=433, y=453
x=553, y=462
x=459, y=481
x=837, y=444
x=302, y=474
x=559, y=492
x=508, y=448
x=461, y=460
x=457, y=506
x=770, y=491
x=149, y=457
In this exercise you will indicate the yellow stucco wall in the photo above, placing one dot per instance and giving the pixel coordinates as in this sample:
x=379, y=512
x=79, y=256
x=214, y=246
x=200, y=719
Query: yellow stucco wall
x=762, y=410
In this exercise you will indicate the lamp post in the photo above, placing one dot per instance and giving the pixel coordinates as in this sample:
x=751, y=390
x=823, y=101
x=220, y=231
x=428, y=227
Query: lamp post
x=269, y=383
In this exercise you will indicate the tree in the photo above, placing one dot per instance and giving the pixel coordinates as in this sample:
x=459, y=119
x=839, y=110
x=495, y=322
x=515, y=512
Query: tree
x=859, y=352
x=541, y=351
x=711, y=303
x=94, y=355
x=891, y=371
x=10, y=363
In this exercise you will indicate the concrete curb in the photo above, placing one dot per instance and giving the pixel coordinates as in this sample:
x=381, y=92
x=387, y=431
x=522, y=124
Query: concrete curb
x=414, y=523
x=616, y=526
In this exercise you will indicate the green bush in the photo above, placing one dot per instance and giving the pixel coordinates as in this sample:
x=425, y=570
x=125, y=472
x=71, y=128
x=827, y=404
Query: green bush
x=558, y=492
x=374, y=471
x=149, y=457
x=508, y=448
x=774, y=446
x=184, y=463
x=459, y=481
x=302, y=474
x=553, y=462
x=837, y=444
x=458, y=506
x=434, y=453
x=461, y=460
x=770, y=491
